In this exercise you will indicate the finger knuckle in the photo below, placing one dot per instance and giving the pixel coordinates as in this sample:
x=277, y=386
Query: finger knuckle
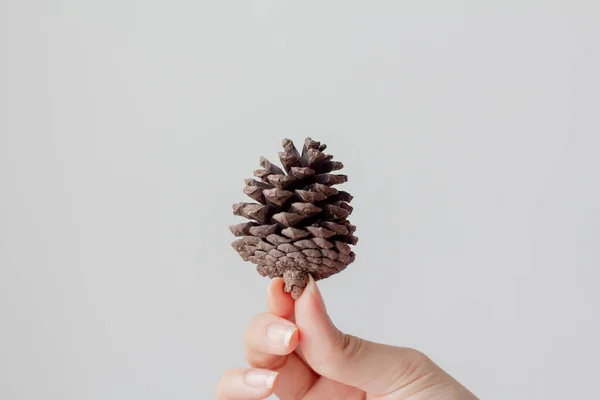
x=256, y=323
x=416, y=357
x=350, y=347
x=412, y=367
x=343, y=349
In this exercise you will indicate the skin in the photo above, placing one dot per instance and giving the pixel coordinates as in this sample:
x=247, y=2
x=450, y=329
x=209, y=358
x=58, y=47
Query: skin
x=297, y=353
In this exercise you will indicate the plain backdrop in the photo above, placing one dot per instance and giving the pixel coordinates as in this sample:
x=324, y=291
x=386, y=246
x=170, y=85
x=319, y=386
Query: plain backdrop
x=469, y=129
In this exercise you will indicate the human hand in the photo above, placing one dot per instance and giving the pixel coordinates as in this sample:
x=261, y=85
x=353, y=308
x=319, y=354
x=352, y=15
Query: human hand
x=297, y=353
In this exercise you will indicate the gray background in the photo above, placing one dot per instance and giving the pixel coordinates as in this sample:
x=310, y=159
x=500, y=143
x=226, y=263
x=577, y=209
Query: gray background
x=469, y=130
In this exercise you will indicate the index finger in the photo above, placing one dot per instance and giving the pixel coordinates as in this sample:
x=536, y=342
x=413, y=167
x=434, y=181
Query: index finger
x=296, y=377
x=279, y=302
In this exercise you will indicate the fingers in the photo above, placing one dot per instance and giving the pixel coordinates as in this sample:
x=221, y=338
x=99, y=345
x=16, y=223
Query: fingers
x=279, y=302
x=375, y=368
x=246, y=384
x=266, y=345
x=268, y=339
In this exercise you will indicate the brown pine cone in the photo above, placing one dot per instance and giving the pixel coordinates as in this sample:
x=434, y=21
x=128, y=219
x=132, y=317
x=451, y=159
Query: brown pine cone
x=299, y=222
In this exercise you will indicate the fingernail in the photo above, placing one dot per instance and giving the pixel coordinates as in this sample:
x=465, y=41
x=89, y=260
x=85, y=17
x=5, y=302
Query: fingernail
x=313, y=289
x=280, y=335
x=260, y=378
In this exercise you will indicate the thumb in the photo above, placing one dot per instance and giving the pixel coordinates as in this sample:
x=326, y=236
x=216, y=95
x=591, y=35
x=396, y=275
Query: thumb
x=375, y=368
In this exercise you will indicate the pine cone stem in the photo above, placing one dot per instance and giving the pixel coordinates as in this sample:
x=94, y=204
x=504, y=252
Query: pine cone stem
x=294, y=282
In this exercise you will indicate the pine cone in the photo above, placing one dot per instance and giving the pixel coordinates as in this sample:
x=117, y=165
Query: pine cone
x=299, y=221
